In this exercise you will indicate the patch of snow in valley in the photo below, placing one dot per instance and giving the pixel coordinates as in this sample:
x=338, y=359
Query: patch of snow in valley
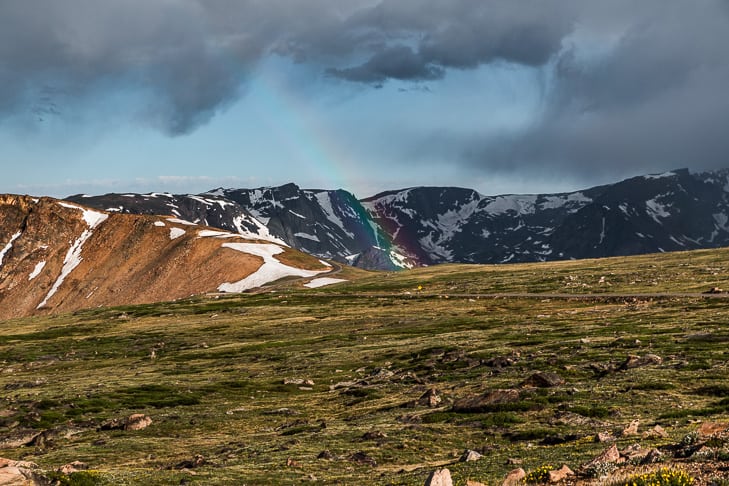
x=351, y=258
x=176, y=233
x=37, y=270
x=323, y=281
x=297, y=214
x=8, y=246
x=270, y=271
x=326, y=264
x=159, y=224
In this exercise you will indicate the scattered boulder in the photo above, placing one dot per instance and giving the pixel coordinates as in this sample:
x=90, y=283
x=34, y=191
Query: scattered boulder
x=542, y=379
x=19, y=473
x=514, y=477
x=430, y=398
x=560, y=474
x=362, y=458
x=193, y=463
x=653, y=456
x=633, y=361
x=500, y=362
x=604, y=437
x=298, y=381
x=374, y=435
x=482, y=403
x=631, y=429
x=439, y=477
x=137, y=421
x=469, y=455
x=707, y=429
x=72, y=467
x=611, y=454
x=656, y=432
x=325, y=454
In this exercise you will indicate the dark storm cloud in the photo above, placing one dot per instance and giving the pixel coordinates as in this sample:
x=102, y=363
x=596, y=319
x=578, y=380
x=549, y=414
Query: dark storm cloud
x=655, y=100
x=397, y=62
x=628, y=86
x=191, y=58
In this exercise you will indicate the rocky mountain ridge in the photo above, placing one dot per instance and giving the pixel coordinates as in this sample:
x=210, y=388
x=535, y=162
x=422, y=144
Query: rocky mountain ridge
x=676, y=210
x=57, y=256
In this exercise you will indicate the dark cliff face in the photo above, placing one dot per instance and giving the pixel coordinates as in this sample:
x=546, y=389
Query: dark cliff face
x=677, y=210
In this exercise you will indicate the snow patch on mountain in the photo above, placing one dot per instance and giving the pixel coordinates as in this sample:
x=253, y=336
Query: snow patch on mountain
x=176, y=233
x=574, y=200
x=70, y=262
x=721, y=220
x=323, y=281
x=261, y=232
x=325, y=202
x=91, y=217
x=181, y=221
x=660, y=176
x=657, y=210
x=8, y=246
x=307, y=236
x=519, y=204
x=37, y=270
x=270, y=271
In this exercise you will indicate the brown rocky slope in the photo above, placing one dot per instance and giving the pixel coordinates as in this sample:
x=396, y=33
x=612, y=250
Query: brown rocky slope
x=59, y=257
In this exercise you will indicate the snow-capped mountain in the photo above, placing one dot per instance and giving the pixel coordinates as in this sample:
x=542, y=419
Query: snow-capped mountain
x=677, y=210
x=57, y=256
x=328, y=224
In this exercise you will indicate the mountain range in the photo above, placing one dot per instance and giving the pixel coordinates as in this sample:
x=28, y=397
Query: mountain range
x=676, y=210
x=57, y=256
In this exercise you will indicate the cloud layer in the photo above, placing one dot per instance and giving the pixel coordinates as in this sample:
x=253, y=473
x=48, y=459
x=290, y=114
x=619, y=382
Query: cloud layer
x=627, y=84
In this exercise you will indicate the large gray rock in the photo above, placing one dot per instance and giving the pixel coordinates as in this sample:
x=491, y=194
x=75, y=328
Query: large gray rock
x=439, y=477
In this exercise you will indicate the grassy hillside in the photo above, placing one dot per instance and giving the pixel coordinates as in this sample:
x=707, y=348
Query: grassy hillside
x=224, y=379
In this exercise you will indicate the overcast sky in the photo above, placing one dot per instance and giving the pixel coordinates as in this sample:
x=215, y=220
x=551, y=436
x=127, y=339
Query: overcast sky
x=501, y=96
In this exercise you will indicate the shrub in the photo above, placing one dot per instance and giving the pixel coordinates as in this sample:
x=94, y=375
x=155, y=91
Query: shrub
x=660, y=477
x=539, y=475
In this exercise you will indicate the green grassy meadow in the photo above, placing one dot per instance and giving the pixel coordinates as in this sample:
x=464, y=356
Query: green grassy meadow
x=224, y=378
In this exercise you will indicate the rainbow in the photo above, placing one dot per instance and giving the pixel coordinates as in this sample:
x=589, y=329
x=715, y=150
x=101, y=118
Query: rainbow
x=298, y=126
